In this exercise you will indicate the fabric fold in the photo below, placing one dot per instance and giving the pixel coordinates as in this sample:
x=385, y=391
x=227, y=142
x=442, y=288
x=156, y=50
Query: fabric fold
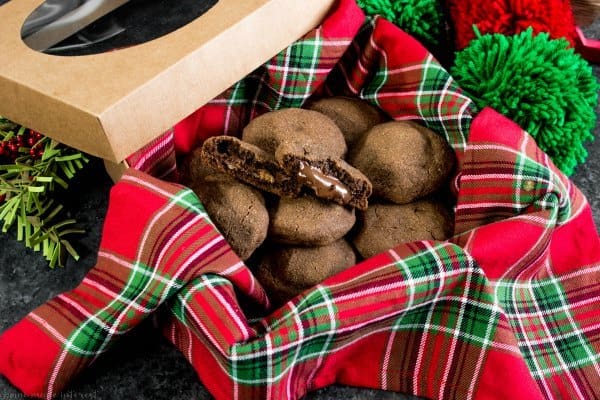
x=156, y=238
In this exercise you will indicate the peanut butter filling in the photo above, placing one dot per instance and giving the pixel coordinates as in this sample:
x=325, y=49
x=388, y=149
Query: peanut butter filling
x=325, y=186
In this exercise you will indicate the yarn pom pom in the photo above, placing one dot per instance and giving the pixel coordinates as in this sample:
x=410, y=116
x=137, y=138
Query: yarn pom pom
x=421, y=18
x=510, y=17
x=538, y=82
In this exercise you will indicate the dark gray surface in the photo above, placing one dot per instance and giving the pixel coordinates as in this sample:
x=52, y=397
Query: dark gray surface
x=143, y=365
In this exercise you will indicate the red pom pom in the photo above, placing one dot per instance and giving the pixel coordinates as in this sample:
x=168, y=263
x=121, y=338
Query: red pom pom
x=510, y=17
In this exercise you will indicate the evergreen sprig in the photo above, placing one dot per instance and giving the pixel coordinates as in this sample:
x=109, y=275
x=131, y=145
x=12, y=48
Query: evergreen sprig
x=32, y=168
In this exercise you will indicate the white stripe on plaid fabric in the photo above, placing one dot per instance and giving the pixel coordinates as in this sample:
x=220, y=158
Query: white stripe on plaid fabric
x=549, y=371
x=411, y=299
x=93, y=317
x=235, y=317
x=330, y=334
x=419, y=94
x=116, y=259
x=575, y=328
x=192, y=259
x=60, y=338
x=190, y=354
x=544, y=314
x=383, y=73
x=509, y=297
x=297, y=310
x=101, y=288
x=149, y=153
x=459, y=139
x=157, y=158
x=427, y=327
x=557, y=353
x=69, y=346
x=316, y=46
x=233, y=269
x=445, y=91
x=293, y=310
x=185, y=192
x=554, y=182
x=457, y=334
x=588, y=270
x=430, y=103
x=267, y=97
x=181, y=302
x=67, y=343
x=111, y=329
x=556, y=186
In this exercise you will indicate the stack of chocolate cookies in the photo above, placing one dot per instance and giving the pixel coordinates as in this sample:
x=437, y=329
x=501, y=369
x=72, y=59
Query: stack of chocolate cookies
x=306, y=193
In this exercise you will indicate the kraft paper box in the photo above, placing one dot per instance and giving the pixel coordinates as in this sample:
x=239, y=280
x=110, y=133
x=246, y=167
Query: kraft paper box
x=111, y=104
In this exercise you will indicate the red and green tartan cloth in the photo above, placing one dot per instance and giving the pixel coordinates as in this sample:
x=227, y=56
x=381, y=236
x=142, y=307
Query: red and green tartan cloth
x=509, y=307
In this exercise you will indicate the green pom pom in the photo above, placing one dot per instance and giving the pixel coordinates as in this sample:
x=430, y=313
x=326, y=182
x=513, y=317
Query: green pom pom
x=541, y=84
x=420, y=18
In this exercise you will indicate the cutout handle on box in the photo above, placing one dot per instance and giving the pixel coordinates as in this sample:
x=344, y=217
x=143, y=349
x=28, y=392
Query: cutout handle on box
x=79, y=27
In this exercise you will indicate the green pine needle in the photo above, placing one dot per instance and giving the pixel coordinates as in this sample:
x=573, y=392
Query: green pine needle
x=27, y=187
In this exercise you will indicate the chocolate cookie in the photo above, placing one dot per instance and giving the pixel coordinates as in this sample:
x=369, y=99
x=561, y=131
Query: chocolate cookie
x=403, y=160
x=353, y=116
x=308, y=221
x=286, y=271
x=291, y=152
x=383, y=226
x=236, y=209
x=296, y=131
x=192, y=169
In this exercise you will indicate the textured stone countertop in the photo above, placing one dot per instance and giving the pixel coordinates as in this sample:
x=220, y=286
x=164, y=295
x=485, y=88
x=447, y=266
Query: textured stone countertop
x=143, y=365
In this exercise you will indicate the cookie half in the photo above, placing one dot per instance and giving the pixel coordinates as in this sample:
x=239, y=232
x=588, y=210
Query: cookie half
x=292, y=174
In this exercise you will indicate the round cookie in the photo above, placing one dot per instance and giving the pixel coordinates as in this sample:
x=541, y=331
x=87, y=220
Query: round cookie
x=295, y=130
x=403, y=160
x=286, y=271
x=384, y=226
x=308, y=221
x=353, y=116
x=236, y=209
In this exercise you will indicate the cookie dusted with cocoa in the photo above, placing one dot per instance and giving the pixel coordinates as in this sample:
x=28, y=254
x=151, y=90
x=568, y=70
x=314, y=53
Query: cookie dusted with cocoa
x=291, y=152
x=353, y=116
x=298, y=131
x=237, y=210
x=384, y=226
x=286, y=271
x=308, y=221
x=403, y=160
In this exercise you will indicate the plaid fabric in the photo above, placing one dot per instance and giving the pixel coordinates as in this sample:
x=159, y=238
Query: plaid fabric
x=507, y=308
x=157, y=158
x=156, y=238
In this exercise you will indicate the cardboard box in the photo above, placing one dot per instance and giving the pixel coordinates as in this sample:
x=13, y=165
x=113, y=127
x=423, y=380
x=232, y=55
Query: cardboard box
x=111, y=104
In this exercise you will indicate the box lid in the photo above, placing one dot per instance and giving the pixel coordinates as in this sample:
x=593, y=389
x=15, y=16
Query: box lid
x=111, y=104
